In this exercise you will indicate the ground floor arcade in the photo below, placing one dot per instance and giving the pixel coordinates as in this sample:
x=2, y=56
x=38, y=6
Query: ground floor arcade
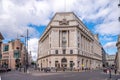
x=69, y=62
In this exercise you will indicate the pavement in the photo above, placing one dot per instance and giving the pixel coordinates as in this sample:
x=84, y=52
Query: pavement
x=38, y=75
x=113, y=76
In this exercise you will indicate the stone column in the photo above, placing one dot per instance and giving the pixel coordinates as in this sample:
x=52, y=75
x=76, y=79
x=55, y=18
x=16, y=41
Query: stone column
x=60, y=38
x=80, y=40
x=67, y=38
x=118, y=55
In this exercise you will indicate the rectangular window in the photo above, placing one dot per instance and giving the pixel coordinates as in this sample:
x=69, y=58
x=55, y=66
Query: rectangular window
x=78, y=52
x=50, y=45
x=71, y=51
x=6, y=48
x=56, y=51
x=56, y=63
x=0, y=56
x=78, y=45
x=64, y=51
x=64, y=39
x=6, y=57
x=16, y=54
x=63, y=33
x=78, y=38
x=71, y=64
x=63, y=44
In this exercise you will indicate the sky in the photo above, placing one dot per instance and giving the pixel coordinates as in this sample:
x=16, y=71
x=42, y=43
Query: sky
x=99, y=16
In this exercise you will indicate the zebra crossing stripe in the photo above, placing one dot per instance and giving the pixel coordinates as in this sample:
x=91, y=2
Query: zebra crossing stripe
x=0, y=77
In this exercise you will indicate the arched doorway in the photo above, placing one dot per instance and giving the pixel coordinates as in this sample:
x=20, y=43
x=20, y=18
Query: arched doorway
x=17, y=63
x=64, y=62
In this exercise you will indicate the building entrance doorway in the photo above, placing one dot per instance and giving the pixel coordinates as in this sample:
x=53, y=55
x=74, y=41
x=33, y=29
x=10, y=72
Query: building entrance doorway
x=17, y=63
x=57, y=65
x=64, y=62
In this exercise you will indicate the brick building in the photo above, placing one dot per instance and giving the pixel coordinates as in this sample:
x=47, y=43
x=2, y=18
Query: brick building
x=1, y=38
x=13, y=54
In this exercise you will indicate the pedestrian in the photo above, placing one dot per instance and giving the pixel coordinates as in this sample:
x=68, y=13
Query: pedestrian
x=78, y=68
x=24, y=69
x=38, y=69
x=64, y=69
x=56, y=69
x=20, y=66
x=115, y=70
x=110, y=72
x=107, y=71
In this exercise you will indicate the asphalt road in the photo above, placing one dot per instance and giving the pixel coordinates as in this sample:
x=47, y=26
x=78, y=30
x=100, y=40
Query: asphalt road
x=89, y=75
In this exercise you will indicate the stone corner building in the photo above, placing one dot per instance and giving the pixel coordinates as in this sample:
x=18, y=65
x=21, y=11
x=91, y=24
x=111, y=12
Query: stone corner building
x=67, y=43
x=117, y=58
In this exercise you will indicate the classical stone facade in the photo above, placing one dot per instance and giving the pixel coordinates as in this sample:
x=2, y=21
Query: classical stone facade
x=104, y=60
x=67, y=43
x=117, y=58
x=110, y=60
x=13, y=54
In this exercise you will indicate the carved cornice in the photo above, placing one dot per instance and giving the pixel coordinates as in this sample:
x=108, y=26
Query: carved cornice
x=64, y=22
x=65, y=55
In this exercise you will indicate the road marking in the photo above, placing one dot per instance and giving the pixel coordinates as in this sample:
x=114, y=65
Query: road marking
x=0, y=77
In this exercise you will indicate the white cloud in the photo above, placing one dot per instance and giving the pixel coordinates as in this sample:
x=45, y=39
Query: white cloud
x=110, y=45
x=110, y=24
x=15, y=15
x=109, y=28
x=33, y=46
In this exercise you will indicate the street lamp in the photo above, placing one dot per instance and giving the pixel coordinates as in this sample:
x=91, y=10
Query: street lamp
x=26, y=51
x=1, y=38
x=119, y=11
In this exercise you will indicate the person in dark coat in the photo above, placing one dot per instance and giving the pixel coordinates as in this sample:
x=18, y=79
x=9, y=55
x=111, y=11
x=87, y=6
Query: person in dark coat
x=115, y=70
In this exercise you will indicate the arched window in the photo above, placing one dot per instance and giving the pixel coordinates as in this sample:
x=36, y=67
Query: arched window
x=64, y=60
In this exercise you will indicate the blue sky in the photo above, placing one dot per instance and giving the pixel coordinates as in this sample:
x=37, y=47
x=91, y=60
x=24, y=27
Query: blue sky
x=99, y=16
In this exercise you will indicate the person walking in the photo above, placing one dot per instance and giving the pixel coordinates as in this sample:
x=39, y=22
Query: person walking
x=56, y=69
x=115, y=70
x=20, y=66
x=110, y=72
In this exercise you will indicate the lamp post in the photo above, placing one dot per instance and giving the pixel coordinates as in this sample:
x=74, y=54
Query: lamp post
x=26, y=51
x=0, y=49
x=119, y=11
